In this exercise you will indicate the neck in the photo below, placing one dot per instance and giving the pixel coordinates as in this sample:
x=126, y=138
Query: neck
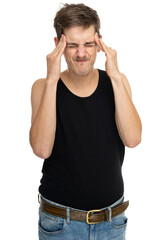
x=81, y=82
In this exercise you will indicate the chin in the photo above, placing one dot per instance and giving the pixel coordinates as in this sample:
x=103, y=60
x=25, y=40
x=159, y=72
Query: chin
x=82, y=72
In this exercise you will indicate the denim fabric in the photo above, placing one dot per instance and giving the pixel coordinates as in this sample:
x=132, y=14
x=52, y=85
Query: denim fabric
x=56, y=228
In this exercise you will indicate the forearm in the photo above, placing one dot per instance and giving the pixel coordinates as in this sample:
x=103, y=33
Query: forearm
x=127, y=119
x=42, y=132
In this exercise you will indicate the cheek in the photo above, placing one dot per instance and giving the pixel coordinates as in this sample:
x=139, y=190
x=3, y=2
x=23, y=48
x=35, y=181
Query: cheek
x=94, y=54
x=67, y=56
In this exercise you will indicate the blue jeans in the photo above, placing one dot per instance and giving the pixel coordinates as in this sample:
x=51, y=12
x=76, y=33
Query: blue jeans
x=56, y=228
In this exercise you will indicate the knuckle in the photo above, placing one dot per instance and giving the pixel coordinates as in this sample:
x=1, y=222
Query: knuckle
x=50, y=57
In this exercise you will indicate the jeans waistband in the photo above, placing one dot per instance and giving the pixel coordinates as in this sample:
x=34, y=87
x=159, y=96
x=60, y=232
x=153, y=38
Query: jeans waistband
x=60, y=205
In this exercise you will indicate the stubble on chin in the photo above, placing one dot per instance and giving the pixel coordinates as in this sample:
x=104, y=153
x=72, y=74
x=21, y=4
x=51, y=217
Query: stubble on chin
x=82, y=72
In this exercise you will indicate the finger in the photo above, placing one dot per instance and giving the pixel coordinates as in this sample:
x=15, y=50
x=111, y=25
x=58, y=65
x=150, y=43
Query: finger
x=62, y=45
x=97, y=41
x=58, y=48
x=59, y=45
x=106, y=49
x=61, y=50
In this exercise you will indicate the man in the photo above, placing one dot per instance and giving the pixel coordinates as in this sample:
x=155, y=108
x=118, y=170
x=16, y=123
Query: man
x=82, y=119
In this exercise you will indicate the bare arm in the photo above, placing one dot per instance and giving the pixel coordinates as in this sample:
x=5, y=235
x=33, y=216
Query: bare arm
x=43, y=99
x=42, y=132
x=127, y=119
x=126, y=116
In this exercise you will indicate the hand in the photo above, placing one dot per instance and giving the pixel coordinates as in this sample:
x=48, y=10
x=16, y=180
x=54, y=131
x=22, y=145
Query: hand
x=111, y=64
x=54, y=60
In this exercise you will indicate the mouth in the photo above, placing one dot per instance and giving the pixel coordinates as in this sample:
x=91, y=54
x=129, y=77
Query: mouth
x=81, y=61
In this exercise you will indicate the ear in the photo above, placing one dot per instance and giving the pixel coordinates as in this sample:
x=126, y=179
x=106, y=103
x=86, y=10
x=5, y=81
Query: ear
x=56, y=41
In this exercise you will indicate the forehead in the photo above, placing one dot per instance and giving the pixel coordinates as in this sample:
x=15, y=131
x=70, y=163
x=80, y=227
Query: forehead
x=79, y=34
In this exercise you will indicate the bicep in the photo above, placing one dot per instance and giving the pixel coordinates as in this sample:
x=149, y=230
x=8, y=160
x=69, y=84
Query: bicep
x=36, y=96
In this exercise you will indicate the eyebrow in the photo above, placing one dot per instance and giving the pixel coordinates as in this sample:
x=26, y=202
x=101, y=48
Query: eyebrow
x=72, y=43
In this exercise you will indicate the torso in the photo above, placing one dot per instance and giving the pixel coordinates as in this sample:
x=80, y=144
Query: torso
x=87, y=141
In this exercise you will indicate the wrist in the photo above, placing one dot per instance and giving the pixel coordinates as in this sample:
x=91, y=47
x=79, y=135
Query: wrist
x=117, y=78
x=51, y=82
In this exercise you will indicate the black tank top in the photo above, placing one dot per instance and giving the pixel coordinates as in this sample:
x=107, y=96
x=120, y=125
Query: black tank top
x=84, y=168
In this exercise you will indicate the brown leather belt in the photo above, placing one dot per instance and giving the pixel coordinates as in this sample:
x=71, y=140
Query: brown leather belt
x=91, y=217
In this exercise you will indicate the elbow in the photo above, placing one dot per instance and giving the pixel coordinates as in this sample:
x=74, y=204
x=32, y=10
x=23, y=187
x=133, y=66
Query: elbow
x=135, y=138
x=39, y=150
x=41, y=153
x=133, y=142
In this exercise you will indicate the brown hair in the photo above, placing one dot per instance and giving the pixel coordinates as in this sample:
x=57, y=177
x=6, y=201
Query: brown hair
x=75, y=15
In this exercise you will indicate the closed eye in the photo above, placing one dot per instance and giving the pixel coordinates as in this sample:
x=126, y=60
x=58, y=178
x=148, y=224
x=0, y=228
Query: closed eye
x=72, y=45
x=90, y=44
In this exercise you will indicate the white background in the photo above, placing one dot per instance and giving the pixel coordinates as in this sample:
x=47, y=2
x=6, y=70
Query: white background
x=27, y=36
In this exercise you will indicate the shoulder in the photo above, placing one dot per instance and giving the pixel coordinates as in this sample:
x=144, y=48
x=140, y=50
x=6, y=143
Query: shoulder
x=103, y=72
x=103, y=75
x=38, y=83
x=104, y=78
x=38, y=86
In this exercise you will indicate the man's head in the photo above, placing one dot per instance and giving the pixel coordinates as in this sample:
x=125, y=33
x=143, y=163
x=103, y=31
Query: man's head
x=79, y=24
x=72, y=15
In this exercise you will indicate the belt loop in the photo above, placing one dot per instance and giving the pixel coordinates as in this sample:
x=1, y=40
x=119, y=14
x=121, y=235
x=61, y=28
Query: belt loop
x=39, y=199
x=68, y=215
x=110, y=214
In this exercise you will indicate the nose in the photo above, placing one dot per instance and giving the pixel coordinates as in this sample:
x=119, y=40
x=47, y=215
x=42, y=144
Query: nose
x=81, y=50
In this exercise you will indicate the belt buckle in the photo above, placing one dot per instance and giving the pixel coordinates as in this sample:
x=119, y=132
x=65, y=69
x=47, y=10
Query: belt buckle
x=87, y=217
